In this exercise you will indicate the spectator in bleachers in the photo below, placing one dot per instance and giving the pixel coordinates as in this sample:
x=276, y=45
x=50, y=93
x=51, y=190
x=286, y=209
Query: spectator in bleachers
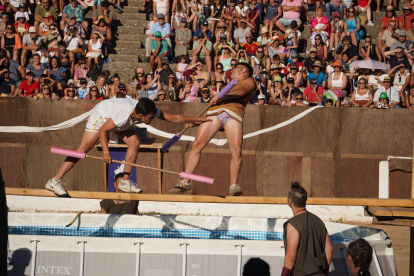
x=309, y=61
x=313, y=92
x=219, y=72
x=103, y=10
x=389, y=36
x=205, y=95
x=392, y=94
x=264, y=38
x=181, y=67
x=396, y=57
x=7, y=85
x=310, y=5
x=318, y=75
x=375, y=80
x=334, y=6
x=197, y=12
x=95, y=47
x=36, y=68
x=361, y=96
x=152, y=85
x=338, y=80
x=162, y=7
x=253, y=14
x=140, y=75
x=30, y=45
x=365, y=6
x=114, y=88
x=260, y=58
x=370, y=51
x=349, y=48
x=275, y=48
x=188, y=92
x=410, y=32
x=3, y=23
x=337, y=25
x=93, y=93
x=227, y=56
x=81, y=71
x=183, y=37
x=204, y=30
x=401, y=78
x=71, y=84
x=74, y=42
x=106, y=31
x=46, y=93
x=321, y=48
x=146, y=7
x=44, y=26
x=71, y=94
x=216, y=13
x=242, y=12
x=242, y=56
x=273, y=13
x=74, y=9
x=410, y=97
x=159, y=51
x=222, y=40
x=180, y=9
x=72, y=22
x=58, y=73
x=52, y=37
x=222, y=31
x=171, y=88
x=40, y=13
x=28, y=87
x=292, y=37
x=67, y=58
x=164, y=29
x=240, y=33
x=291, y=12
x=154, y=20
x=201, y=51
x=250, y=45
x=346, y=62
x=11, y=43
x=352, y=27
x=102, y=86
x=320, y=26
x=200, y=74
x=402, y=42
x=82, y=91
x=296, y=75
x=161, y=97
x=165, y=71
x=405, y=19
x=21, y=26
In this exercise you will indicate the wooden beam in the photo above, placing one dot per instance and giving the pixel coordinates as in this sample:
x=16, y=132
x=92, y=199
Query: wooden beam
x=216, y=199
x=412, y=181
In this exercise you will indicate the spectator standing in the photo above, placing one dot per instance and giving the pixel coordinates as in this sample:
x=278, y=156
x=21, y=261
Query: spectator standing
x=11, y=42
x=164, y=29
x=40, y=13
x=305, y=235
x=75, y=7
x=291, y=12
x=30, y=45
x=309, y=61
x=334, y=6
x=182, y=38
x=370, y=51
x=405, y=19
x=201, y=51
x=318, y=75
x=103, y=10
x=352, y=27
x=29, y=87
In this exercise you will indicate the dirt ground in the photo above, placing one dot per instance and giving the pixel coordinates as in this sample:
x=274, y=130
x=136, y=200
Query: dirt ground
x=400, y=237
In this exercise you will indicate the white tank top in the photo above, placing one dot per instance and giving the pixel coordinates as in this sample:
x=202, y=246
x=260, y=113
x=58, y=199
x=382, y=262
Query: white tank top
x=96, y=46
x=359, y=97
x=338, y=82
x=161, y=6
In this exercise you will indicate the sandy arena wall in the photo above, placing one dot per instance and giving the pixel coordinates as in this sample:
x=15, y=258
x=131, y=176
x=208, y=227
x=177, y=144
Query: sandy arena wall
x=333, y=152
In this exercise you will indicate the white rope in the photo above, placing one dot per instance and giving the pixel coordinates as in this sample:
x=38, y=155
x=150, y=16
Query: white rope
x=150, y=129
x=67, y=124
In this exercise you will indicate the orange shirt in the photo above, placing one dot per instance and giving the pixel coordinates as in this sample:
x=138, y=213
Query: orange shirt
x=407, y=22
x=385, y=20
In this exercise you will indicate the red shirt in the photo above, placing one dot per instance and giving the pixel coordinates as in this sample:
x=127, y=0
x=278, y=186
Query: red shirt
x=228, y=75
x=407, y=24
x=385, y=20
x=97, y=99
x=251, y=48
x=28, y=90
x=310, y=96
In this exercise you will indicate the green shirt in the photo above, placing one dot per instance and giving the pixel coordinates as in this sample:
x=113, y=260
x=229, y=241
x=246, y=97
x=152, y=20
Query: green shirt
x=41, y=10
x=202, y=54
x=163, y=47
x=77, y=10
x=98, y=11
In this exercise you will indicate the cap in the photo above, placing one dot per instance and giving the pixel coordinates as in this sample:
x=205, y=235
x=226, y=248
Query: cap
x=318, y=63
x=347, y=38
x=290, y=80
x=264, y=30
x=294, y=55
x=261, y=97
x=205, y=89
x=2, y=7
x=73, y=16
x=201, y=35
x=161, y=16
x=402, y=33
x=83, y=81
x=32, y=29
x=406, y=7
x=293, y=65
x=390, y=8
x=223, y=37
x=336, y=14
x=205, y=22
x=387, y=79
x=96, y=21
x=105, y=4
x=313, y=49
x=294, y=24
x=277, y=79
x=157, y=34
x=313, y=81
x=22, y=5
x=258, y=78
x=122, y=87
x=183, y=19
x=383, y=95
x=71, y=81
x=337, y=63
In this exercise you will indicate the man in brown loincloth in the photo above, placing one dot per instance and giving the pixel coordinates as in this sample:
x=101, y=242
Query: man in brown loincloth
x=227, y=114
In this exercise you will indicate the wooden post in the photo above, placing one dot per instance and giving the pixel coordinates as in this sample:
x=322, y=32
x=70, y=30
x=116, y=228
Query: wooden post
x=159, y=172
x=411, y=251
x=412, y=175
x=105, y=177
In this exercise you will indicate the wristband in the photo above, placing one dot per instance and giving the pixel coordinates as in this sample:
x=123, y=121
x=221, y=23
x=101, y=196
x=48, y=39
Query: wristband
x=286, y=271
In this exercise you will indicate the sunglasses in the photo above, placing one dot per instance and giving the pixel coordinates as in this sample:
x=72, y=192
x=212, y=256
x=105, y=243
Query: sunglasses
x=361, y=82
x=9, y=28
x=94, y=90
x=337, y=66
x=221, y=27
x=122, y=89
x=317, y=39
x=399, y=52
x=205, y=92
x=219, y=67
x=6, y=72
x=70, y=90
x=52, y=29
x=45, y=88
x=233, y=64
x=82, y=63
x=299, y=98
x=248, y=37
x=259, y=52
x=351, y=11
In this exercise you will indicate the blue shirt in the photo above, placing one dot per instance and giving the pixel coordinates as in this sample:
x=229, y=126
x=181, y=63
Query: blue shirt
x=320, y=78
x=56, y=76
x=198, y=31
x=82, y=94
x=165, y=29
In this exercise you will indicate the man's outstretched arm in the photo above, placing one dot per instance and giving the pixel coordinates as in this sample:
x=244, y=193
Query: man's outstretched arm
x=181, y=119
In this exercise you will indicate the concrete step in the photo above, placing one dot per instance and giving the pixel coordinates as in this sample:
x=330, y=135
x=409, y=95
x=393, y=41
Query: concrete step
x=123, y=58
x=137, y=37
x=129, y=44
x=133, y=23
x=127, y=51
x=133, y=16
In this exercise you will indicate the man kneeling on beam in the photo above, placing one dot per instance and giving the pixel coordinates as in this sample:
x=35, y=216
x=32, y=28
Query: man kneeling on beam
x=117, y=115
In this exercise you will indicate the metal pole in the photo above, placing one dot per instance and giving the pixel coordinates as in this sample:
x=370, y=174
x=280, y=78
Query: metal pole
x=376, y=262
x=138, y=257
x=82, y=257
x=239, y=260
x=34, y=256
x=184, y=258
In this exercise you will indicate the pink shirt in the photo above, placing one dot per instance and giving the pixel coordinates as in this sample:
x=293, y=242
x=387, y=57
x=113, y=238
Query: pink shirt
x=291, y=14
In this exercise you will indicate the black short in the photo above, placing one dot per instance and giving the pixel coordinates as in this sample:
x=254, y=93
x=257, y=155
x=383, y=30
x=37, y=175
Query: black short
x=311, y=7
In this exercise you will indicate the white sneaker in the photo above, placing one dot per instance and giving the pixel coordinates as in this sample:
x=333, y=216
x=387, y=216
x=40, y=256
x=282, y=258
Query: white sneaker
x=56, y=186
x=60, y=14
x=128, y=186
x=370, y=23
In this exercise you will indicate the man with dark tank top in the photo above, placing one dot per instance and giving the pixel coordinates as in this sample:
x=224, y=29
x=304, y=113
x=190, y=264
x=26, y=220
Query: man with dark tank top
x=67, y=58
x=308, y=248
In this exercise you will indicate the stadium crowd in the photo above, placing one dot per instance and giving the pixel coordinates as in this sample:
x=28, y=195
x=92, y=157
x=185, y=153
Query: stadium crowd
x=50, y=52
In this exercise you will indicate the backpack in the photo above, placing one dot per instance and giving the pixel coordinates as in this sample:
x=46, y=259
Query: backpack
x=94, y=71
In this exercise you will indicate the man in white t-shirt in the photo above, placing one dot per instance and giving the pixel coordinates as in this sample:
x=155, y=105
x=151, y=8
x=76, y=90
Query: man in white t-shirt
x=28, y=47
x=117, y=115
x=393, y=95
x=375, y=81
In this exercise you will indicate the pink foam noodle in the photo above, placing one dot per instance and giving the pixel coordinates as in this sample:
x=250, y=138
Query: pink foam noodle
x=198, y=178
x=67, y=152
x=226, y=89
